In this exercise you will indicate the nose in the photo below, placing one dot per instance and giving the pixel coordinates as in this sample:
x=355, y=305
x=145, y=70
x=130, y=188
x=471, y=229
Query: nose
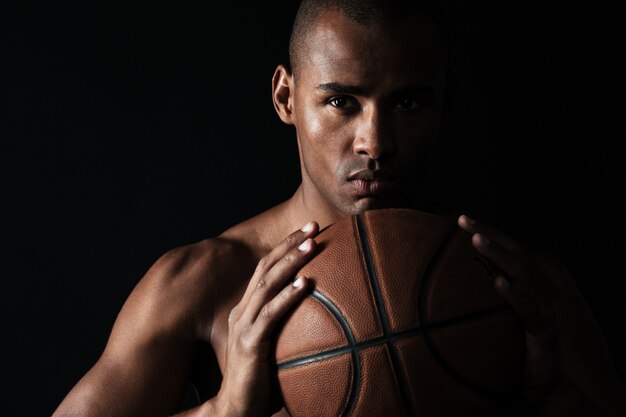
x=373, y=136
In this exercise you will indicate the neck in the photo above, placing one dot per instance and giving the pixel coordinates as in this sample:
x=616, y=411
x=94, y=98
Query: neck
x=265, y=231
x=270, y=227
x=301, y=209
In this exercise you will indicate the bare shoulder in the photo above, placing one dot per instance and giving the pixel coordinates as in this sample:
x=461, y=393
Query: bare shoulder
x=148, y=357
x=189, y=282
x=180, y=303
x=195, y=266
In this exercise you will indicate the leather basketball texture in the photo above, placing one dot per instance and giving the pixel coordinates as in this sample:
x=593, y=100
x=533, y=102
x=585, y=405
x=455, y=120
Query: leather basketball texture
x=402, y=320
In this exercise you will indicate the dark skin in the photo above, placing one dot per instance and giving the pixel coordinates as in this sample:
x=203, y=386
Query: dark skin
x=366, y=101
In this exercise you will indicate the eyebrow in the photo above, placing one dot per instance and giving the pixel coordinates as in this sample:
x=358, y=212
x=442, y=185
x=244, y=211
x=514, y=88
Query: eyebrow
x=341, y=88
x=354, y=90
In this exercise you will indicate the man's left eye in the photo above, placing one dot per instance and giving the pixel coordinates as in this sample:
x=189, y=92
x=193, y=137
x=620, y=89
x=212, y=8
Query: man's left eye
x=407, y=104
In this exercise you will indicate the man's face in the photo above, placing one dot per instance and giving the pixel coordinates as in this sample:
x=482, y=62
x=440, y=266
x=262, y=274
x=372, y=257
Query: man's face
x=367, y=103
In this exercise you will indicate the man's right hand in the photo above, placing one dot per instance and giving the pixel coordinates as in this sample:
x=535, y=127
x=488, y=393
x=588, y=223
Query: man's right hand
x=248, y=384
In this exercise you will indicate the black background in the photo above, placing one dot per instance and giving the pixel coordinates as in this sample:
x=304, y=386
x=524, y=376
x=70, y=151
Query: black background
x=129, y=129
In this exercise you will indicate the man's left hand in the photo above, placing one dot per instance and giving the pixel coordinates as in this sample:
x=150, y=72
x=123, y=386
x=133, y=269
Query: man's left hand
x=569, y=370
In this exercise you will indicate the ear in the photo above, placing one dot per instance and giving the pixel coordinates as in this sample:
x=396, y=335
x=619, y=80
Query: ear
x=282, y=94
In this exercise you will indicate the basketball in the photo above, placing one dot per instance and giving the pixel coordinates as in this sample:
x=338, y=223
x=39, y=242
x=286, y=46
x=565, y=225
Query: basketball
x=402, y=319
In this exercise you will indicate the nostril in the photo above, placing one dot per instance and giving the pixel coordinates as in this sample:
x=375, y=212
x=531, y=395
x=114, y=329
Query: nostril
x=373, y=151
x=367, y=147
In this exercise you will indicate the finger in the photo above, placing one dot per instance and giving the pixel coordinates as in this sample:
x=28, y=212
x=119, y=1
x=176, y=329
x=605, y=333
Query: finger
x=473, y=226
x=234, y=314
x=293, y=240
x=540, y=368
x=511, y=266
x=274, y=311
x=274, y=280
x=499, y=258
x=538, y=318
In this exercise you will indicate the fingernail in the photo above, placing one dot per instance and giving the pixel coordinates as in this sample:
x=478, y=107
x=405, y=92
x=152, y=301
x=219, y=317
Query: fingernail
x=307, y=227
x=469, y=220
x=298, y=282
x=305, y=246
x=483, y=239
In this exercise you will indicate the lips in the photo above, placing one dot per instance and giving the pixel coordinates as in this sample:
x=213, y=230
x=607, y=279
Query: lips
x=369, y=175
x=377, y=183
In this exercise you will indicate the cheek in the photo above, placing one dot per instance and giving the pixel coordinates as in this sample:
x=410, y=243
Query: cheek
x=322, y=133
x=318, y=124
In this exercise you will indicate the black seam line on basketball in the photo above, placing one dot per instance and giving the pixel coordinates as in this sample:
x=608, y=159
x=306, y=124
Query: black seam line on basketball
x=356, y=364
x=475, y=315
x=367, y=254
x=380, y=305
x=422, y=319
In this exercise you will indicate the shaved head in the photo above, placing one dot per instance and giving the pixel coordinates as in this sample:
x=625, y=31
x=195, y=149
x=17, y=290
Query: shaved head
x=363, y=12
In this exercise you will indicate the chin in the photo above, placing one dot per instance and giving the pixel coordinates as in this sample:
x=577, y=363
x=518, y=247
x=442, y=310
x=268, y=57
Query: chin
x=374, y=203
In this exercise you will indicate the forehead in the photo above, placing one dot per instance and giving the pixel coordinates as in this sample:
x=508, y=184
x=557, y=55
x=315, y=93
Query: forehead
x=404, y=51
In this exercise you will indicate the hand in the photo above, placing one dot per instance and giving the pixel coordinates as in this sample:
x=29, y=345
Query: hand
x=568, y=364
x=247, y=387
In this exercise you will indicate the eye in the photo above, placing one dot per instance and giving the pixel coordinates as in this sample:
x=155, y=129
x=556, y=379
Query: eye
x=343, y=102
x=407, y=104
x=338, y=101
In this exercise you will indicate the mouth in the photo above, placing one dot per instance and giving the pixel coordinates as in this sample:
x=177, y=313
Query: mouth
x=369, y=175
x=378, y=184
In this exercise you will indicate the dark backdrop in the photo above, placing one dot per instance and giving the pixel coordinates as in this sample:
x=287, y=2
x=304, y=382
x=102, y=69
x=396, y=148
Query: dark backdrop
x=128, y=129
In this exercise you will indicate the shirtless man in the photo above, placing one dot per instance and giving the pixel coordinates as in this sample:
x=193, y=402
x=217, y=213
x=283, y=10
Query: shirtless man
x=365, y=92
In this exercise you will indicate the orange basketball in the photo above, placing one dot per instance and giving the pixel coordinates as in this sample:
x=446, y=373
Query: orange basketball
x=402, y=320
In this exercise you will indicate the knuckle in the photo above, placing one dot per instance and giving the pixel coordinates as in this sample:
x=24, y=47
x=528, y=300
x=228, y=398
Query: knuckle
x=247, y=344
x=289, y=258
x=289, y=241
x=233, y=314
x=235, y=326
x=266, y=312
x=261, y=284
x=262, y=265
